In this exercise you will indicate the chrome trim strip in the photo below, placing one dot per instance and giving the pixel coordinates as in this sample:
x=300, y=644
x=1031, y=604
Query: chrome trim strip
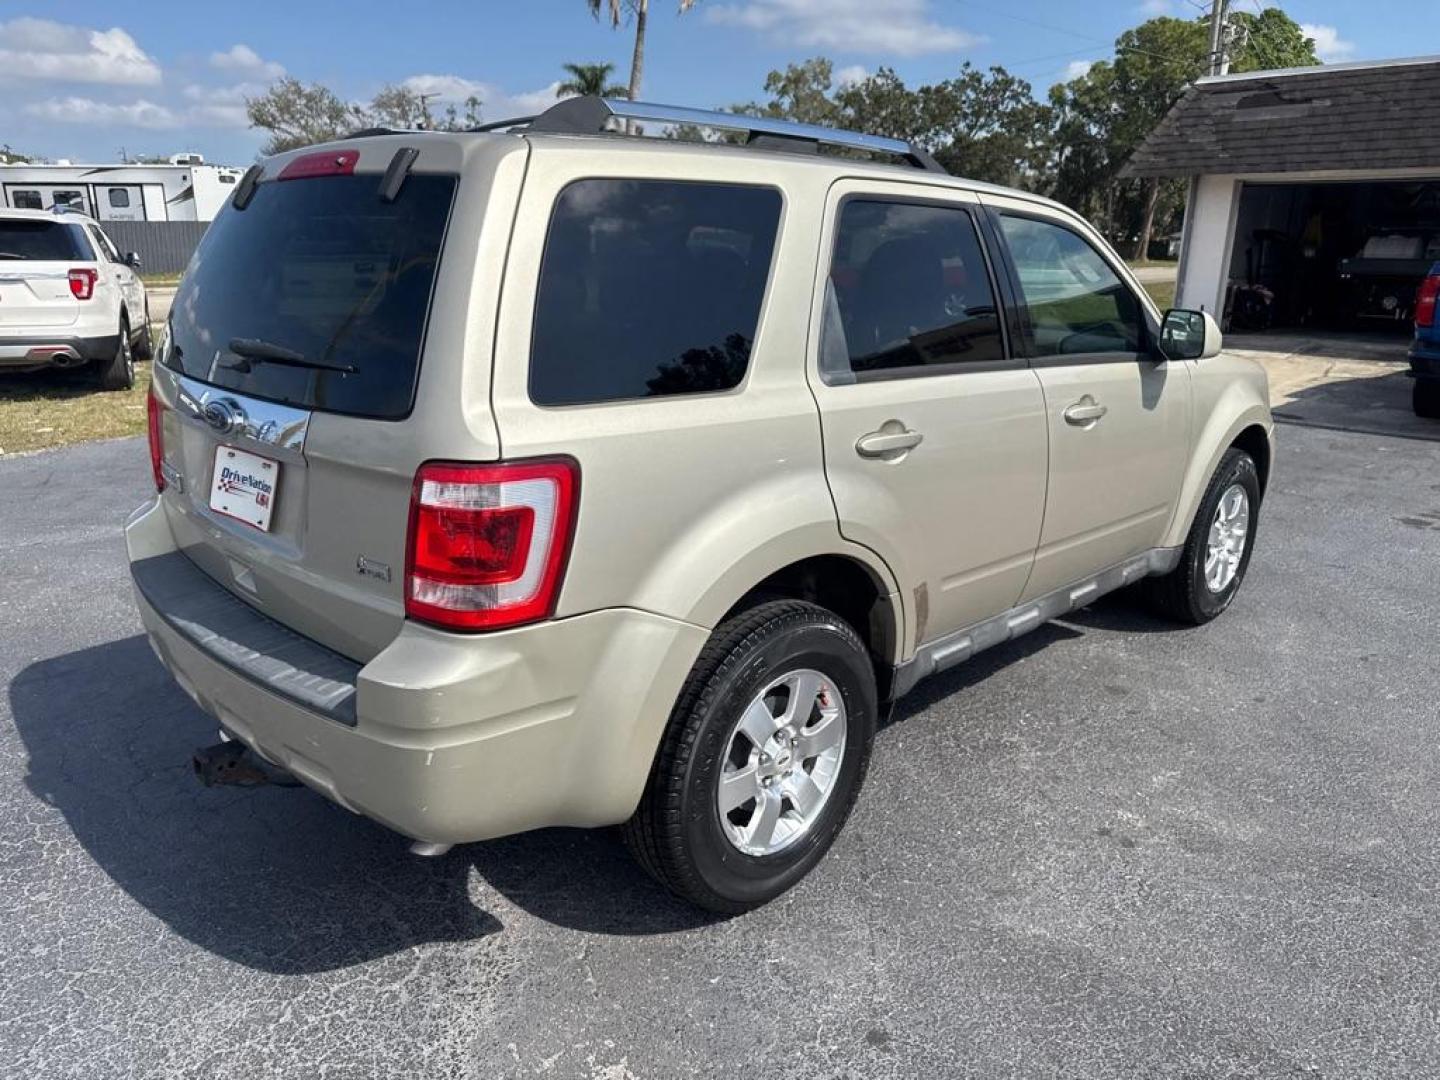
x=242, y=420
x=33, y=275
x=959, y=646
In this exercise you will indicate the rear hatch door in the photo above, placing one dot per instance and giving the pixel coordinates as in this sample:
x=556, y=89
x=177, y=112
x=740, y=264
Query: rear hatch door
x=36, y=257
x=291, y=366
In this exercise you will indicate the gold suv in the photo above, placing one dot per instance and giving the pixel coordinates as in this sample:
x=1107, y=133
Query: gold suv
x=544, y=475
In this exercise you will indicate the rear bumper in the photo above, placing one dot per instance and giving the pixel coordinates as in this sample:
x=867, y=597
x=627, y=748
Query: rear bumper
x=33, y=353
x=455, y=737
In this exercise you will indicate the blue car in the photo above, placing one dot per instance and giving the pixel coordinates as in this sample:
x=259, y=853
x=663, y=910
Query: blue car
x=1425, y=353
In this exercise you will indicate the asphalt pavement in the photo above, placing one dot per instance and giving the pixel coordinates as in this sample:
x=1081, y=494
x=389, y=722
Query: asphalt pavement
x=1109, y=849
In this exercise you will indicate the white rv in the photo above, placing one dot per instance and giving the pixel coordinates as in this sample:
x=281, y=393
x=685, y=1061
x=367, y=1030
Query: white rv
x=185, y=190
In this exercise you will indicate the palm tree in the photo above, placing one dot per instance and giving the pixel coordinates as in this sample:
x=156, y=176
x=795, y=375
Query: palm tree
x=589, y=80
x=641, y=10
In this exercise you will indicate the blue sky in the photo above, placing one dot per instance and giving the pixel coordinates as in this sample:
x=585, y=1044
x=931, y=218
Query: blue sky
x=83, y=79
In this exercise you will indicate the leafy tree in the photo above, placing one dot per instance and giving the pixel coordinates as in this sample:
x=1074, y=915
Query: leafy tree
x=639, y=10
x=296, y=114
x=983, y=124
x=590, y=80
x=1101, y=117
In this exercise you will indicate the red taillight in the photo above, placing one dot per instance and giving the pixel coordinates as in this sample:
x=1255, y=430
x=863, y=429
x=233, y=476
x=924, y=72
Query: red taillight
x=82, y=283
x=325, y=163
x=1426, y=300
x=154, y=417
x=488, y=543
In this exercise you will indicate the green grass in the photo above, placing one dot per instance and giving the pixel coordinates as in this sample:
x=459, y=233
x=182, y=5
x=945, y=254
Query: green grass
x=56, y=408
x=1163, y=293
x=166, y=281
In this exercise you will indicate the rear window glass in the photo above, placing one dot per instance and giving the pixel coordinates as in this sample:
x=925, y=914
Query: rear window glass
x=324, y=271
x=650, y=288
x=50, y=241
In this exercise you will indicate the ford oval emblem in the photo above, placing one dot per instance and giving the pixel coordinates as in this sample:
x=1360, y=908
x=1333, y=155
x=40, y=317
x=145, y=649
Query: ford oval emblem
x=220, y=415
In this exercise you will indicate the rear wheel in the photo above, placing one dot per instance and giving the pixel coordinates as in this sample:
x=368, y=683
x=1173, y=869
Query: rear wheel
x=118, y=372
x=1217, y=549
x=1426, y=398
x=145, y=343
x=764, y=755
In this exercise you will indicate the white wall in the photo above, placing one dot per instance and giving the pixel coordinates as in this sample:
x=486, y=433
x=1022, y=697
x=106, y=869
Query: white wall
x=1208, y=237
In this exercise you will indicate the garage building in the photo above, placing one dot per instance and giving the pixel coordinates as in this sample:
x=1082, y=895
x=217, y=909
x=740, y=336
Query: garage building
x=1314, y=193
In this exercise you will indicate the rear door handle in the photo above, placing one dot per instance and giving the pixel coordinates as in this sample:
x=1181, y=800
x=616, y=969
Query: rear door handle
x=1084, y=412
x=887, y=441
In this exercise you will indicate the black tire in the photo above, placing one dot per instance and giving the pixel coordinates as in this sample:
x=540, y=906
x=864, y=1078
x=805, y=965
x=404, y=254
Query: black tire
x=676, y=833
x=145, y=343
x=118, y=372
x=1426, y=398
x=1183, y=594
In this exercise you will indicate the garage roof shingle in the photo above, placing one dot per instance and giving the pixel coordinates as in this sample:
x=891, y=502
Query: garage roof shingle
x=1347, y=116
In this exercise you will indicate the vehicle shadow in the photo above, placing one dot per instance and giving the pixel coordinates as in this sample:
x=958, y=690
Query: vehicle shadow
x=283, y=881
x=279, y=879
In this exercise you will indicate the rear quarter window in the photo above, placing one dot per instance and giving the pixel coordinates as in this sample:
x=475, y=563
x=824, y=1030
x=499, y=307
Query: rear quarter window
x=650, y=288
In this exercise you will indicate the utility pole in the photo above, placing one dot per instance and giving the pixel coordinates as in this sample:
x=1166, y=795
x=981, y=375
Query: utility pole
x=1219, y=40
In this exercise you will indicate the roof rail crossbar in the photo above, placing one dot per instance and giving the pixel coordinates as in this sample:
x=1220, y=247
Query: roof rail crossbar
x=589, y=116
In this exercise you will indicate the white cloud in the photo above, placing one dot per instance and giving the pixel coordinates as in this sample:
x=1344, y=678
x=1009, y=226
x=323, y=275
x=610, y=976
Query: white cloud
x=222, y=107
x=894, y=27
x=495, y=103
x=1155, y=8
x=1329, y=45
x=1078, y=69
x=41, y=49
x=82, y=110
x=848, y=76
x=246, y=61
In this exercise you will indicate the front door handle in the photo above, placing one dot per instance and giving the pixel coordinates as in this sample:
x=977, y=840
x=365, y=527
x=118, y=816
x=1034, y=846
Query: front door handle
x=1085, y=412
x=891, y=440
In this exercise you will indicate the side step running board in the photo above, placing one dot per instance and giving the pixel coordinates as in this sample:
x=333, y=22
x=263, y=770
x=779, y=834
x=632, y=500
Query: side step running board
x=957, y=647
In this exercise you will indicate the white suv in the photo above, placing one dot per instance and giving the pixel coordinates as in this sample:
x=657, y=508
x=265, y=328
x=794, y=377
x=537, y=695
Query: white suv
x=68, y=298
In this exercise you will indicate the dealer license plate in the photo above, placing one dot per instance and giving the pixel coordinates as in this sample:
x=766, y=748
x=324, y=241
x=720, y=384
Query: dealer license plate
x=244, y=486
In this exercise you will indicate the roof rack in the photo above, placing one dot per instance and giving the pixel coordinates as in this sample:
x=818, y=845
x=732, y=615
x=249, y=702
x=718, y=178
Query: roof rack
x=590, y=116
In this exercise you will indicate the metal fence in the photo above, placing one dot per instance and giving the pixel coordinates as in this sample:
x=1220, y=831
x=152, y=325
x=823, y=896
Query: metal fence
x=164, y=247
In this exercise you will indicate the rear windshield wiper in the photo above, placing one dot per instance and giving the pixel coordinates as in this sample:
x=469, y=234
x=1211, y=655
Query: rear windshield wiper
x=269, y=353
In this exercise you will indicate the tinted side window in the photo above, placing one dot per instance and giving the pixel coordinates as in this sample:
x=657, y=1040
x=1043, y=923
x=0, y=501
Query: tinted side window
x=28, y=200
x=103, y=245
x=650, y=288
x=119, y=198
x=1077, y=303
x=908, y=289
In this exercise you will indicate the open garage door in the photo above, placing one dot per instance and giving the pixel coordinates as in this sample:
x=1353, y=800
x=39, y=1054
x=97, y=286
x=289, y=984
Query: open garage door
x=1331, y=256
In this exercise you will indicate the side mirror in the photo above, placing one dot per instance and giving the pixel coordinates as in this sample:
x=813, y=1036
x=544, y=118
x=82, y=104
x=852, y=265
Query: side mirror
x=1189, y=335
x=131, y=259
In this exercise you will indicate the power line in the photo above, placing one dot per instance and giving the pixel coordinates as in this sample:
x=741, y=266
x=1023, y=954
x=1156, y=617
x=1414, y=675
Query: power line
x=1068, y=32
